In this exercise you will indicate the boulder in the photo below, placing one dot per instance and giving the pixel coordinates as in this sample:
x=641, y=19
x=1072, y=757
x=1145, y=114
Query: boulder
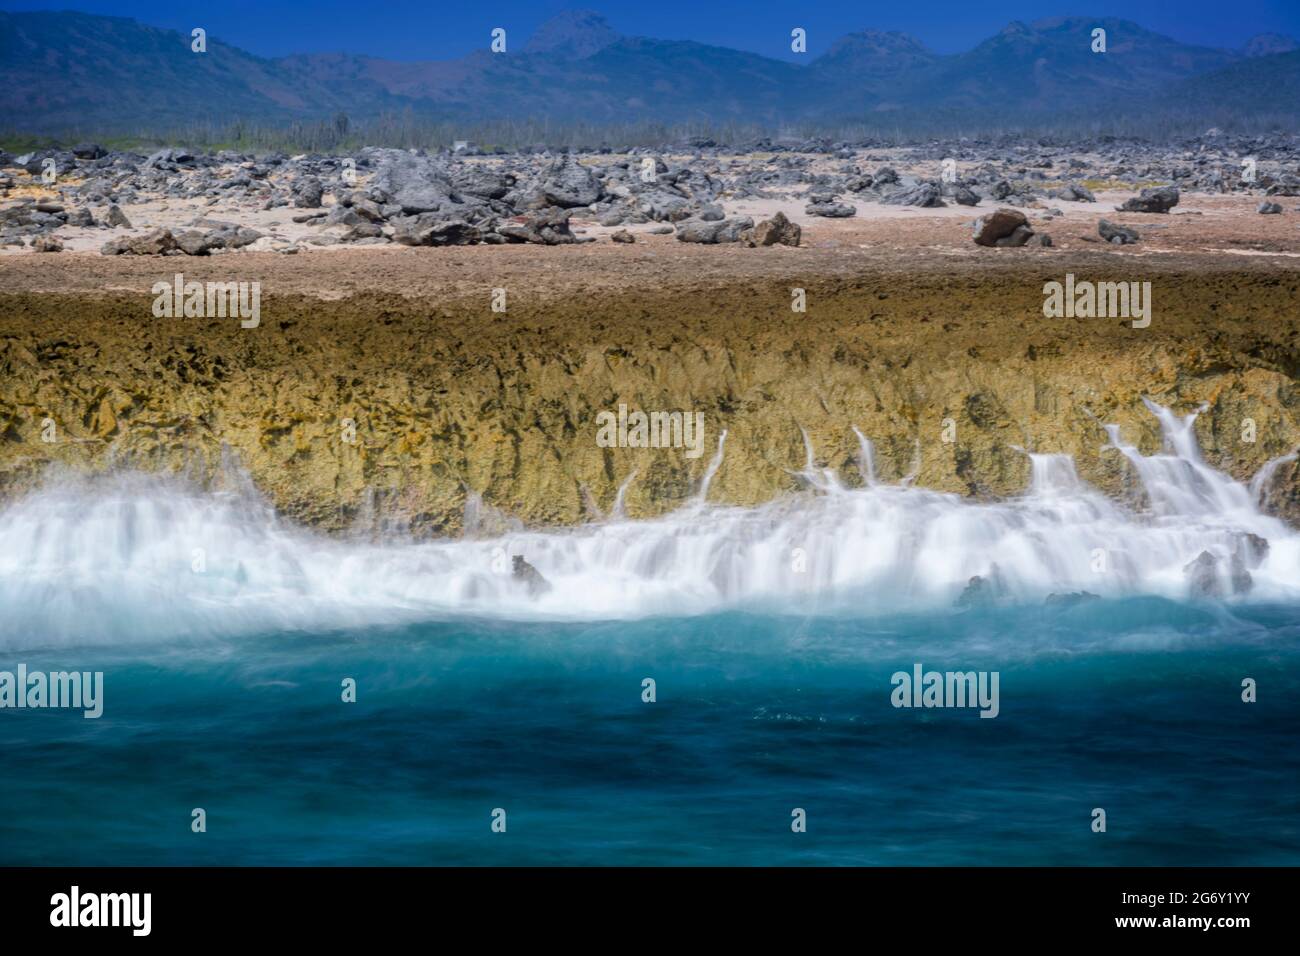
x=1269, y=208
x=922, y=194
x=430, y=229
x=702, y=231
x=1020, y=236
x=549, y=227
x=1073, y=193
x=569, y=184
x=1000, y=224
x=1120, y=235
x=156, y=242
x=307, y=193
x=778, y=230
x=1159, y=199
x=830, y=209
x=116, y=218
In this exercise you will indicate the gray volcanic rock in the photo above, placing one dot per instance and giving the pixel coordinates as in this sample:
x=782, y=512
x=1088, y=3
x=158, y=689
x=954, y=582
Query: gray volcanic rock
x=430, y=229
x=1112, y=232
x=156, y=242
x=568, y=184
x=964, y=196
x=1269, y=208
x=1073, y=193
x=1159, y=199
x=1020, y=236
x=922, y=194
x=307, y=193
x=412, y=182
x=828, y=207
x=709, y=232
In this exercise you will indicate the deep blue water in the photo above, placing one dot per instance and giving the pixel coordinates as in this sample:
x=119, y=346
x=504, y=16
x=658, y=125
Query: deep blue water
x=1134, y=706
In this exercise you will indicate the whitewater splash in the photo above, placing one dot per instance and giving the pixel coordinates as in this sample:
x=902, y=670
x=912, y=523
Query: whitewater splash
x=143, y=557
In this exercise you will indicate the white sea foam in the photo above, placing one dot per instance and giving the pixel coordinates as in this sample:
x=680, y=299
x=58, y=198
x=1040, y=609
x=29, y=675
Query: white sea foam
x=114, y=560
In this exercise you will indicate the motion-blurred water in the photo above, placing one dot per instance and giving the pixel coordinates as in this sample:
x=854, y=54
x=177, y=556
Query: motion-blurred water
x=224, y=636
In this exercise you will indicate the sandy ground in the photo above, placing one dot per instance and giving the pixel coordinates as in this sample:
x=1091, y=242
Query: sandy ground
x=1203, y=232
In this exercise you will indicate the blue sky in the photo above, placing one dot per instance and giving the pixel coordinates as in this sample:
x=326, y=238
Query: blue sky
x=439, y=29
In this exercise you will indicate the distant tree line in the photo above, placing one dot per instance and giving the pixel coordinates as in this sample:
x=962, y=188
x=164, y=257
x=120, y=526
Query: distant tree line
x=341, y=134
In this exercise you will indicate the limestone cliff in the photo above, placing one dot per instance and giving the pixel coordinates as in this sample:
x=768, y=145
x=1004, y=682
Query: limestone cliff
x=377, y=408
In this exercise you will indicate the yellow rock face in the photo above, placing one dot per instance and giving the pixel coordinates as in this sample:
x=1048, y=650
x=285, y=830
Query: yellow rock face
x=378, y=408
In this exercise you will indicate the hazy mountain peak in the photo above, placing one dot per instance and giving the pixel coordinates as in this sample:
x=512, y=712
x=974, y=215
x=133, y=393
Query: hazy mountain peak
x=1266, y=44
x=573, y=33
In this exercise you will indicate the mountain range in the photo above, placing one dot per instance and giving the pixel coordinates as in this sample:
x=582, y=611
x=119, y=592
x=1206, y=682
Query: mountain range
x=72, y=71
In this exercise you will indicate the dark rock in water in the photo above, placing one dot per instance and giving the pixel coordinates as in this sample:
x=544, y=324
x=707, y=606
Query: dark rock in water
x=1252, y=548
x=777, y=230
x=1249, y=553
x=115, y=218
x=1071, y=600
x=1269, y=208
x=1111, y=231
x=982, y=590
x=922, y=194
x=1202, y=575
x=1000, y=224
x=532, y=578
x=549, y=228
x=1160, y=199
x=156, y=242
x=698, y=230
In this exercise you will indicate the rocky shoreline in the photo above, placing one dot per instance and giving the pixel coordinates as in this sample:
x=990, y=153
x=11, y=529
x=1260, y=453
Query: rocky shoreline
x=434, y=416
